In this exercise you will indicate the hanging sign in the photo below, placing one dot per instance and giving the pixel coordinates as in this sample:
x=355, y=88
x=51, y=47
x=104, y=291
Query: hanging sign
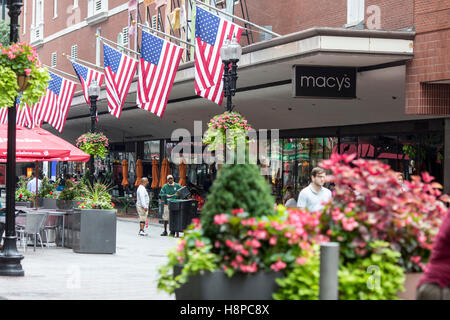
x=324, y=82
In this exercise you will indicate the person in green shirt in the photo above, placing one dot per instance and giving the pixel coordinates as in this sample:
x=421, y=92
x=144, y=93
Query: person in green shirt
x=168, y=191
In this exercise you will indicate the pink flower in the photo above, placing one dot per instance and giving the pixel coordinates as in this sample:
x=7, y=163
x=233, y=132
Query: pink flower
x=277, y=266
x=301, y=260
x=181, y=245
x=199, y=244
x=236, y=211
x=273, y=241
x=27, y=71
x=220, y=219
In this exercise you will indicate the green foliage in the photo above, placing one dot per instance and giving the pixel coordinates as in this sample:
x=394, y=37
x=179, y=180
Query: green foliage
x=22, y=194
x=377, y=277
x=193, y=255
x=236, y=186
x=302, y=282
x=4, y=33
x=47, y=190
x=21, y=59
x=73, y=190
x=96, y=197
x=93, y=143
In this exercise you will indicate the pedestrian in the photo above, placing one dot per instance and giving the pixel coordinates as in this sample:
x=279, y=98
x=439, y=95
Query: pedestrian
x=289, y=198
x=401, y=180
x=31, y=185
x=315, y=195
x=435, y=282
x=142, y=202
x=168, y=191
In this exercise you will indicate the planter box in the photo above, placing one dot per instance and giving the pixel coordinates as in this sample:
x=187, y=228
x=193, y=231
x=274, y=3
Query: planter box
x=49, y=203
x=411, y=281
x=218, y=286
x=94, y=231
x=27, y=204
x=67, y=204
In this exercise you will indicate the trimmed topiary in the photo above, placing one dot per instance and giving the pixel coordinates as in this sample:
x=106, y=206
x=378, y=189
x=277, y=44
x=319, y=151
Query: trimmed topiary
x=236, y=186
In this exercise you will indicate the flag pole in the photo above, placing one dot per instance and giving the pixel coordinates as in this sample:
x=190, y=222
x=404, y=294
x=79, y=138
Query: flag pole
x=143, y=26
x=82, y=61
x=237, y=18
x=115, y=43
x=65, y=73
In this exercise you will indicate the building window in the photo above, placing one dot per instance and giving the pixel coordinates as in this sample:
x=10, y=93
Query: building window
x=75, y=3
x=125, y=39
x=97, y=6
x=156, y=23
x=55, y=9
x=264, y=35
x=54, y=59
x=355, y=12
x=98, y=45
x=37, y=22
x=74, y=51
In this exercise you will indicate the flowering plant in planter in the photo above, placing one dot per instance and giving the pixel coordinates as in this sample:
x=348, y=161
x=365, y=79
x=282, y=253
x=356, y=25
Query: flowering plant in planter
x=93, y=143
x=22, y=194
x=18, y=62
x=369, y=204
x=226, y=129
x=96, y=197
x=276, y=242
x=48, y=190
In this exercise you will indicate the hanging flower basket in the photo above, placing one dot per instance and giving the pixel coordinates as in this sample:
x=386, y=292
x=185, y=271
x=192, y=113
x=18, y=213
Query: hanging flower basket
x=226, y=129
x=21, y=72
x=95, y=144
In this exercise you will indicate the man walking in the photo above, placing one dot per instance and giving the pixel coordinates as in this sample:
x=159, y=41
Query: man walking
x=168, y=191
x=142, y=202
x=31, y=185
x=314, y=196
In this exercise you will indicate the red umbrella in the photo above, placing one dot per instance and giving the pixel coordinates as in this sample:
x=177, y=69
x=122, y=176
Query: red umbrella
x=31, y=145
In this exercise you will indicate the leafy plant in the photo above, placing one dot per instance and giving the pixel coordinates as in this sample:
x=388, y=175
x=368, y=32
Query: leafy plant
x=48, y=190
x=73, y=190
x=21, y=59
x=93, y=143
x=96, y=197
x=369, y=204
x=4, y=33
x=22, y=194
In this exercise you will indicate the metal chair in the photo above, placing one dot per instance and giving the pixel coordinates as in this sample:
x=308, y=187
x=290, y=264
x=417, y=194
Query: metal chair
x=50, y=224
x=33, y=225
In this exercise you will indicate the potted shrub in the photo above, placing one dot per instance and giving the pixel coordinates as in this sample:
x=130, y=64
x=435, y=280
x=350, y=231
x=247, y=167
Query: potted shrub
x=72, y=193
x=48, y=194
x=94, y=222
x=369, y=205
x=21, y=71
x=23, y=196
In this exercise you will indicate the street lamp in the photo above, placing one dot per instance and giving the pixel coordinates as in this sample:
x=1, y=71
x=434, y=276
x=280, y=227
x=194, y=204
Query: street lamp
x=230, y=53
x=94, y=92
x=10, y=257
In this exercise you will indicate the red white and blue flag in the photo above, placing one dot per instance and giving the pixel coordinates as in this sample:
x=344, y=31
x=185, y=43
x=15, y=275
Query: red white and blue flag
x=86, y=75
x=157, y=68
x=119, y=72
x=210, y=34
x=54, y=106
x=24, y=115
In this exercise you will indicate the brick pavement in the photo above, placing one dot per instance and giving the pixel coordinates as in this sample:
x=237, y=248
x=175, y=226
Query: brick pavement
x=129, y=274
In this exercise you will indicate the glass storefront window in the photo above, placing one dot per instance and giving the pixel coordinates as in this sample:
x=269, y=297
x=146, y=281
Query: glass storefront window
x=151, y=150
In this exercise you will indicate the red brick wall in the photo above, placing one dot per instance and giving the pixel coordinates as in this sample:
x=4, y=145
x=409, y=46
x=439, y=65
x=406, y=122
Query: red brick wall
x=431, y=59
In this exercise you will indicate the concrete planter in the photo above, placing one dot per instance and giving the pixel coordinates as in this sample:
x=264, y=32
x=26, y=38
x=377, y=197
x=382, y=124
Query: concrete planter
x=411, y=281
x=94, y=231
x=27, y=204
x=67, y=204
x=49, y=203
x=218, y=286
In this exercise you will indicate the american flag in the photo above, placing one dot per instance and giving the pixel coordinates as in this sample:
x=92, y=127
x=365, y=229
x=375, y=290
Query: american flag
x=119, y=72
x=54, y=106
x=86, y=75
x=210, y=34
x=24, y=116
x=157, y=68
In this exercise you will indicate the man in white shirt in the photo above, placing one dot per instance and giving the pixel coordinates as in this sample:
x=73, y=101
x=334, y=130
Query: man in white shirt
x=31, y=185
x=315, y=196
x=142, y=202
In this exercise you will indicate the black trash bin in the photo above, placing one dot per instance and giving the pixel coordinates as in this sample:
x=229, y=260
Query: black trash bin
x=181, y=213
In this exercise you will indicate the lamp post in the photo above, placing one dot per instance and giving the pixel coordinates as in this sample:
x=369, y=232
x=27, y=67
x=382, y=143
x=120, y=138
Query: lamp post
x=94, y=92
x=230, y=53
x=9, y=257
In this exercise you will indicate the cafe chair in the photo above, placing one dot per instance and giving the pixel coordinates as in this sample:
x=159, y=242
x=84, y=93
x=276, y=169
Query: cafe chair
x=34, y=223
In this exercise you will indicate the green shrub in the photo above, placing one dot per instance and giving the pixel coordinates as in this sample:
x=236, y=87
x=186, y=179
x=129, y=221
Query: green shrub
x=237, y=186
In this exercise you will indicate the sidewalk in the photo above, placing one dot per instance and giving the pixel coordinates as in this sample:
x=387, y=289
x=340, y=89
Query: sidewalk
x=129, y=274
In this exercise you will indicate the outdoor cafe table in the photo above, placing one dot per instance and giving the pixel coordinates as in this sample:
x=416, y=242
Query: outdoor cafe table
x=51, y=212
